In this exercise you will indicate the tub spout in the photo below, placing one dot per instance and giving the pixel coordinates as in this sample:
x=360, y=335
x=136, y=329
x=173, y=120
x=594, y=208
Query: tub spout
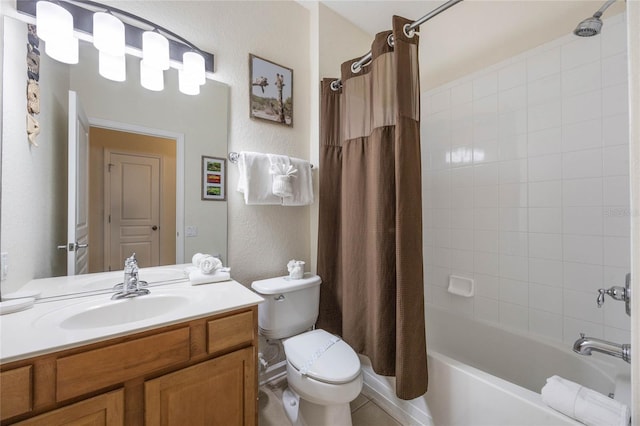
x=584, y=346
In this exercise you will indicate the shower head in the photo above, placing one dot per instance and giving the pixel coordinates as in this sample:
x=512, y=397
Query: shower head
x=589, y=27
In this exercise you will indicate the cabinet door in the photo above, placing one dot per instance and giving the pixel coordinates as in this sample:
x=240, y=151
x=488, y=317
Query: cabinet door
x=221, y=391
x=102, y=410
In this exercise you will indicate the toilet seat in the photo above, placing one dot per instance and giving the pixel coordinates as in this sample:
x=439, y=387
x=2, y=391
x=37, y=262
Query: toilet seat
x=322, y=356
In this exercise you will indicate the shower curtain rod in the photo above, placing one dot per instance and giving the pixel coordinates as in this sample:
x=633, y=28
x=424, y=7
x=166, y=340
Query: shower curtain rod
x=409, y=30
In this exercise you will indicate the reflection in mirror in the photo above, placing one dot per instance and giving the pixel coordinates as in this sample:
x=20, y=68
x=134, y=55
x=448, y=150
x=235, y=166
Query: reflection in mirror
x=154, y=140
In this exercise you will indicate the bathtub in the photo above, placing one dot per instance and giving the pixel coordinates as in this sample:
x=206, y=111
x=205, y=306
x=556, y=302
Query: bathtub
x=480, y=374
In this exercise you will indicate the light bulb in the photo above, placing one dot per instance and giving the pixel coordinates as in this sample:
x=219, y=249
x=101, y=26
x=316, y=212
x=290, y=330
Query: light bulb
x=187, y=84
x=108, y=34
x=151, y=78
x=112, y=67
x=193, y=65
x=53, y=21
x=63, y=49
x=155, y=50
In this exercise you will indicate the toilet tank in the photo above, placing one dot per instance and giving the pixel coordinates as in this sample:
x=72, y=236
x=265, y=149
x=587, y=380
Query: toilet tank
x=290, y=306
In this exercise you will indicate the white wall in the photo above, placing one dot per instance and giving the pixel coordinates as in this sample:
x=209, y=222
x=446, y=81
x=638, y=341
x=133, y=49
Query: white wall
x=526, y=188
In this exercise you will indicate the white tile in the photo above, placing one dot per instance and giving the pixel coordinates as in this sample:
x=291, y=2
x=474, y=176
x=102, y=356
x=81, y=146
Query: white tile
x=579, y=52
x=439, y=159
x=486, y=174
x=616, y=335
x=615, y=130
x=514, y=267
x=582, y=164
x=614, y=276
x=545, y=90
x=583, y=135
x=513, y=195
x=486, y=196
x=582, y=276
x=615, y=100
x=462, y=239
x=462, y=218
x=545, y=194
x=439, y=101
x=585, y=78
x=461, y=132
x=485, y=85
x=462, y=197
x=614, y=70
x=486, y=263
x=486, y=309
x=514, y=243
x=461, y=306
x=615, y=161
x=441, y=297
x=545, y=271
x=545, y=246
x=573, y=328
x=513, y=316
x=547, y=220
x=617, y=221
x=462, y=93
x=460, y=157
x=485, y=151
x=615, y=315
x=512, y=75
x=513, y=291
x=581, y=305
x=487, y=286
x=462, y=260
x=582, y=220
x=512, y=147
x=513, y=171
x=441, y=276
x=616, y=190
x=544, y=64
x=442, y=257
x=485, y=105
x=441, y=218
x=543, y=142
x=545, y=116
x=486, y=218
x=546, y=324
x=487, y=241
x=513, y=219
x=583, y=249
x=582, y=107
x=512, y=99
x=485, y=127
x=582, y=192
x=462, y=176
x=442, y=238
x=617, y=251
x=512, y=123
x=547, y=167
x=614, y=39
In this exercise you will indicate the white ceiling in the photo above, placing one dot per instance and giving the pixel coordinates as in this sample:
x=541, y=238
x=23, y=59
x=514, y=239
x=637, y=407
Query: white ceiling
x=474, y=33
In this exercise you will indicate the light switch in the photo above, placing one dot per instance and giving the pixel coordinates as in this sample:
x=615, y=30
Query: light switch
x=4, y=265
x=191, y=231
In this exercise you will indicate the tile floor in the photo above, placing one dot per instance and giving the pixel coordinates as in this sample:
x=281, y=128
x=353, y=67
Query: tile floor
x=364, y=412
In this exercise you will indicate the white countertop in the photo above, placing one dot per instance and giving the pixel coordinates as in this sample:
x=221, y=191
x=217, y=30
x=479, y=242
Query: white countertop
x=37, y=331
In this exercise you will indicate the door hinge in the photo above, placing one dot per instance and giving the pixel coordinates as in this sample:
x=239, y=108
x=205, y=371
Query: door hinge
x=109, y=167
x=109, y=219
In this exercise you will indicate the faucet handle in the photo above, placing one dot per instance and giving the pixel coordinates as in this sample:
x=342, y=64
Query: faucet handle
x=600, y=300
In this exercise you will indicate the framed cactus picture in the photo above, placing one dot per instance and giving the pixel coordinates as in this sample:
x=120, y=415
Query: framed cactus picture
x=271, y=91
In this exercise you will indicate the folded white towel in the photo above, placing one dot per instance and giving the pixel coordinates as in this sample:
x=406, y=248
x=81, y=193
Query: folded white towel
x=583, y=404
x=302, y=185
x=282, y=174
x=198, y=277
x=255, y=179
x=209, y=264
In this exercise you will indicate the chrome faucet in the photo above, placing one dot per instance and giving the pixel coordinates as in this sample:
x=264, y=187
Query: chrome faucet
x=131, y=284
x=584, y=346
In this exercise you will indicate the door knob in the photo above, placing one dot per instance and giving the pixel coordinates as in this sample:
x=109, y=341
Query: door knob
x=154, y=227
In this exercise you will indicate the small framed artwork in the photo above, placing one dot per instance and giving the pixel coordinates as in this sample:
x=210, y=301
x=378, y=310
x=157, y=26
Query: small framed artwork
x=271, y=91
x=214, y=172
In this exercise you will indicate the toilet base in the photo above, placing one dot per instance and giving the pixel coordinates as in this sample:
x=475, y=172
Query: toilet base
x=304, y=413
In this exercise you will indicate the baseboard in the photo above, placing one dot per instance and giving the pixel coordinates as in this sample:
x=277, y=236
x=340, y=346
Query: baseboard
x=273, y=373
x=381, y=390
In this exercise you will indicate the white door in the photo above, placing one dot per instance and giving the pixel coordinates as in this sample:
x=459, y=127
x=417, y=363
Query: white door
x=132, y=200
x=78, y=189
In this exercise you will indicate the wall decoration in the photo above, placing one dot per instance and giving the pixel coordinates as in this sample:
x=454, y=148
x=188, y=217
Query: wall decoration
x=33, y=87
x=214, y=178
x=271, y=91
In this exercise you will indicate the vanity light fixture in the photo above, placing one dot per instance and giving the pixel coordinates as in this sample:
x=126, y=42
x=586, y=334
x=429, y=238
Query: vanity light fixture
x=159, y=48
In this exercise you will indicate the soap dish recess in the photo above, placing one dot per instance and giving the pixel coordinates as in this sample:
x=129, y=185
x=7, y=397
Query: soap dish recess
x=461, y=286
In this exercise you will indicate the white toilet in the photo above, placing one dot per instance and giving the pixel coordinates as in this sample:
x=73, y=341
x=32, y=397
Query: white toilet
x=323, y=371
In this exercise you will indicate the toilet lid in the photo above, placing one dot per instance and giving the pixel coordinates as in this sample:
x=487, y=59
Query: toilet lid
x=322, y=356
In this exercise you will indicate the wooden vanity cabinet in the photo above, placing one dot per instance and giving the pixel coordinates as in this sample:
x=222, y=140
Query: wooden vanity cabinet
x=200, y=372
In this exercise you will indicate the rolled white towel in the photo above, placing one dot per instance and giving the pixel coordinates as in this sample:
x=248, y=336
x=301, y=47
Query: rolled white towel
x=198, y=277
x=197, y=258
x=583, y=404
x=209, y=264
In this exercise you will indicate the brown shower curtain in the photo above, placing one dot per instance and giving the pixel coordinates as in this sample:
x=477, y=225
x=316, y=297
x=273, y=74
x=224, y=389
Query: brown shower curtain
x=370, y=219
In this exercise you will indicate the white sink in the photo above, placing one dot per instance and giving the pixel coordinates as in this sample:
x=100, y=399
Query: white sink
x=108, y=313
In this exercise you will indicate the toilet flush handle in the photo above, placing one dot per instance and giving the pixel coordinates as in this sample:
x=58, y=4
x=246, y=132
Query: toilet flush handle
x=279, y=298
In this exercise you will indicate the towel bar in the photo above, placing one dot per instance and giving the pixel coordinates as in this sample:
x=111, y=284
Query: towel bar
x=233, y=157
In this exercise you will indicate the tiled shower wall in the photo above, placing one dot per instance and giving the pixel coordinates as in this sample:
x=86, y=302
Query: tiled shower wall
x=526, y=181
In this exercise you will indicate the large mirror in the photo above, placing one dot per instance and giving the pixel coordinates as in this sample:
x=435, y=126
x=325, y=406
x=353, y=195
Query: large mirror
x=128, y=125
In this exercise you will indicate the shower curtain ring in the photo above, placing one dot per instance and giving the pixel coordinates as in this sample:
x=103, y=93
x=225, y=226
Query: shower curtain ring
x=390, y=40
x=408, y=31
x=335, y=85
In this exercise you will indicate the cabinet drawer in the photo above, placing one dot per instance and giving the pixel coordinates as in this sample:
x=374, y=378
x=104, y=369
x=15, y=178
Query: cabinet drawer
x=229, y=332
x=16, y=396
x=92, y=370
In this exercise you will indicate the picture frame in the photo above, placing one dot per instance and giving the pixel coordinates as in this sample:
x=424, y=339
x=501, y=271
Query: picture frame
x=214, y=178
x=270, y=91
